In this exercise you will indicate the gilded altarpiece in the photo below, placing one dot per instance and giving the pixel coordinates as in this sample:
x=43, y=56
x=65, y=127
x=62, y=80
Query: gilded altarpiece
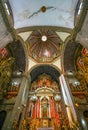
x=44, y=108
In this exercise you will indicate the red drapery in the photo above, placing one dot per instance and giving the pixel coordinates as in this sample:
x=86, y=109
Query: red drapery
x=36, y=109
x=34, y=112
x=53, y=110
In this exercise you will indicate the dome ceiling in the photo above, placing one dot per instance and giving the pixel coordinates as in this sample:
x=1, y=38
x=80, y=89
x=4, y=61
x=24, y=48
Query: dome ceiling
x=44, y=45
x=29, y=13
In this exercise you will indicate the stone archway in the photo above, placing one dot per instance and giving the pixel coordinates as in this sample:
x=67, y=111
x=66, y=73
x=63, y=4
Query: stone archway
x=47, y=69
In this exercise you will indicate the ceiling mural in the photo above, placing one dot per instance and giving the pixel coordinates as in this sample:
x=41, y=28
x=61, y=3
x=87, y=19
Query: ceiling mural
x=44, y=45
x=43, y=13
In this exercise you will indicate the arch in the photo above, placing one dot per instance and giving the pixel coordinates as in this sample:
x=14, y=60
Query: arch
x=2, y=118
x=68, y=56
x=18, y=51
x=47, y=69
x=43, y=97
x=25, y=52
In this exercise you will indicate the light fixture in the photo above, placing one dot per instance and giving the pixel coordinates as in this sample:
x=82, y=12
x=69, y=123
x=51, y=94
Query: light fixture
x=33, y=98
x=75, y=82
x=57, y=98
x=44, y=38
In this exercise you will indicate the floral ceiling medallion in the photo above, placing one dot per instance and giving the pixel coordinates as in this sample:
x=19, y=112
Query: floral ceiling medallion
x=44, y=45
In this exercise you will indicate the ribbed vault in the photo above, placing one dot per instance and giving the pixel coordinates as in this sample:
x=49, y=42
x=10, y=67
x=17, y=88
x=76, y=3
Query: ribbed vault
x=44, y=45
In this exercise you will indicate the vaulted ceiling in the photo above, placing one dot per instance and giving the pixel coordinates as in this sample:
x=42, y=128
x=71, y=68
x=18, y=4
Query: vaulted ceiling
x=59, y=13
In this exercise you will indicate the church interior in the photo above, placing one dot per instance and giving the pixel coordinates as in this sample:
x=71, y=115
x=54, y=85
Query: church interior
x=43, y=65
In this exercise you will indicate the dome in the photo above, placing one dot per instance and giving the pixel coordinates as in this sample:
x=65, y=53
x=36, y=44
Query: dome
x=44, y=45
